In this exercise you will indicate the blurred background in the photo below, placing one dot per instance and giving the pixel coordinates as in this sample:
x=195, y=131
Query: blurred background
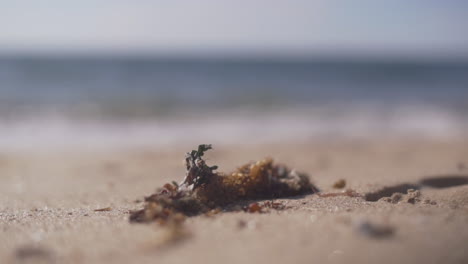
x=130, y=73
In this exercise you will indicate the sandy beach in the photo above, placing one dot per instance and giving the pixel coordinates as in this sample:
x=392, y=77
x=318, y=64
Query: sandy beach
x=218, y=132
x=48, y=201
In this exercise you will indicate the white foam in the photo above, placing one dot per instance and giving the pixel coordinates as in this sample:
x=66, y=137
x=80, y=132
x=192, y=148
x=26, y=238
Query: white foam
x=358, y=122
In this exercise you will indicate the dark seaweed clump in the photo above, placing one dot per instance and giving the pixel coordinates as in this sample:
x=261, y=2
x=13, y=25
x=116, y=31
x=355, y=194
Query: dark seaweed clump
x=204, y=189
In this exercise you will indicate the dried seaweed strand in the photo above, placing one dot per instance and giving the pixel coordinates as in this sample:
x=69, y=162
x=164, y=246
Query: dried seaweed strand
x=348, y=193
x=203, y=189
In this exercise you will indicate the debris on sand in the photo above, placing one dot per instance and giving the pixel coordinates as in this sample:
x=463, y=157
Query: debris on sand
x=429, y=201
x=264, y=207
x=347, y=192
x=33, y=254
x=339, y=184
x=412, y=197
x=106, y=209
x=461, y=166
x=395, y=198
x=371, y=230
x=204, y=189
x=254, y=208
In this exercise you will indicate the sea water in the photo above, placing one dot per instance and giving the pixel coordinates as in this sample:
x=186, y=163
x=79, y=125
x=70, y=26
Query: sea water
x=59, y=100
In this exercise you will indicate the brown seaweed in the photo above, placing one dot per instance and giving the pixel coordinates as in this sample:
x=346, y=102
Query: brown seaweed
x=263, y=207
x=339, y=184
x=347, y=192
x=204, y=189
x=106, y=209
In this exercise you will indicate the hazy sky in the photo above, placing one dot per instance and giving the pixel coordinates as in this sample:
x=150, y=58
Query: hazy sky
x=416, y=27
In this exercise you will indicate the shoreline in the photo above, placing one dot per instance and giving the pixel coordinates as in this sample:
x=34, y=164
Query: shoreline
x=48, y=201
x=59, y=132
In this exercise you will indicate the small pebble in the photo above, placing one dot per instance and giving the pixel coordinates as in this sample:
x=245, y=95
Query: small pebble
x=374, y=231
x=396, y=197
x=241, y=224
x=340, y=184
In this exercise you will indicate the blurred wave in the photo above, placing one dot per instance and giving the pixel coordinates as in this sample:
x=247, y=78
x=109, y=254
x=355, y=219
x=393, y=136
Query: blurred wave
x=117, y=101
x=133, y=88
x=240, y=127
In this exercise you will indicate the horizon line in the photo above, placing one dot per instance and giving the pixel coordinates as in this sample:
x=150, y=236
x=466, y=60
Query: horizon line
x=218, y=54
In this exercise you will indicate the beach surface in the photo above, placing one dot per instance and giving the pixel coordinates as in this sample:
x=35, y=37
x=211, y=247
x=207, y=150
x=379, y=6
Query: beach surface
x=49, y=197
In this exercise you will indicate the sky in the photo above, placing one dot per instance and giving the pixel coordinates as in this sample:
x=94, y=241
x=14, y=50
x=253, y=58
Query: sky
x=242, y=27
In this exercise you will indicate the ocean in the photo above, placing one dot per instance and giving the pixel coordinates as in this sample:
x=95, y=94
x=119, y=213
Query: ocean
x=128, y=99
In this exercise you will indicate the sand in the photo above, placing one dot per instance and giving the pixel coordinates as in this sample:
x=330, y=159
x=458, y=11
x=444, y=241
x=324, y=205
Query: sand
x=48, y=200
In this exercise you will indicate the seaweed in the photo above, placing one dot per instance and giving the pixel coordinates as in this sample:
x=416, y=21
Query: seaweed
x=339, y=184
x=264, y=207
x=106, y=209
x=204, y=190
x=347, y=192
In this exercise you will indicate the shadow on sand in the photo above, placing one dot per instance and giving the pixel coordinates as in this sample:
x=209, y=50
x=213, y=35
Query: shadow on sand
x=439, y=181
